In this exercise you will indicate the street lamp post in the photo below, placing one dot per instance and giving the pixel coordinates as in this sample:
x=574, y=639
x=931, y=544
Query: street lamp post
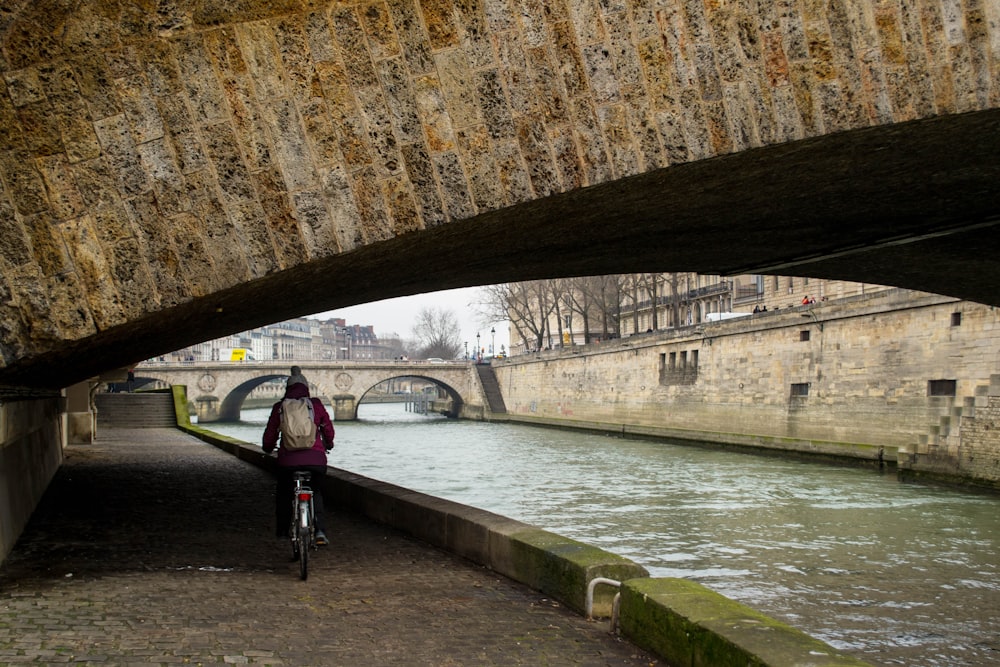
x=466, y=350
x=493, y=341
x=476, y=355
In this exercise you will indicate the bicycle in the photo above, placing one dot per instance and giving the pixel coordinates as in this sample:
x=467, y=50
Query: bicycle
x=303, y=529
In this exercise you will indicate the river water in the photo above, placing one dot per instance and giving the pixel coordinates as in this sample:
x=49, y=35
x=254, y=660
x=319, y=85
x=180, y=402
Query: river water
x=895, y=574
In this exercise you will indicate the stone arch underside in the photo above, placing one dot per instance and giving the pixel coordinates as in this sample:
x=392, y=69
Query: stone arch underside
x=457, y=400
x=232, y=402
x=172, y=176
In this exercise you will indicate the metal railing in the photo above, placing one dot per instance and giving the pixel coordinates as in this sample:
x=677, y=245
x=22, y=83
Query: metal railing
x=615, y=604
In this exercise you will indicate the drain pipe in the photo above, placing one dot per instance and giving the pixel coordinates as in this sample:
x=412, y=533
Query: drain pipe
x=614, y=604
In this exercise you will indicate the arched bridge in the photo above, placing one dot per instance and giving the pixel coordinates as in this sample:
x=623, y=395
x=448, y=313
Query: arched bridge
x=218, y=389
x=175, y=171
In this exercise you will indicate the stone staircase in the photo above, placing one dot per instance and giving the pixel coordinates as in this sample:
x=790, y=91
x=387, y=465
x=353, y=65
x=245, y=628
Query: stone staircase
x=944, y=438
x=140, y=410
x=491, y=388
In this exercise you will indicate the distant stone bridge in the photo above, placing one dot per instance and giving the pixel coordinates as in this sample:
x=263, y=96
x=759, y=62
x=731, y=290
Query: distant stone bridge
x=218, y=389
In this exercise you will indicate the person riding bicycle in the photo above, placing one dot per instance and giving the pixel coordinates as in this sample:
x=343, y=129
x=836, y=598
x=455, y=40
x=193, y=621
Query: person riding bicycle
x=311, y=460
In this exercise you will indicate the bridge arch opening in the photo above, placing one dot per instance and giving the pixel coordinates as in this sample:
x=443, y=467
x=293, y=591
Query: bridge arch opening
x=232, y=402
x=209, y=406
x=454, y=399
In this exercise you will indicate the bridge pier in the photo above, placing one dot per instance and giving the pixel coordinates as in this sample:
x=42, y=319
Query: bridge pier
x=207, y=409
x=345, y=407
x=81, y=417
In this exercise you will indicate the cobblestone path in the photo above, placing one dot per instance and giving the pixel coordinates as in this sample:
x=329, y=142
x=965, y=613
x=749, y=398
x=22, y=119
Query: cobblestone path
x=153, y=548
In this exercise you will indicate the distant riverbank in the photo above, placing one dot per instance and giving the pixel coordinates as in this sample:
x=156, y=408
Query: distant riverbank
x=899, y=377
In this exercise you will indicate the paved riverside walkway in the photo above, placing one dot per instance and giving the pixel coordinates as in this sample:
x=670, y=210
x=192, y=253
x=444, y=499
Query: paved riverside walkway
x=153, y=548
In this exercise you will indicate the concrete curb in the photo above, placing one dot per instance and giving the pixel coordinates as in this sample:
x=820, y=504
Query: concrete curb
x=688, y=624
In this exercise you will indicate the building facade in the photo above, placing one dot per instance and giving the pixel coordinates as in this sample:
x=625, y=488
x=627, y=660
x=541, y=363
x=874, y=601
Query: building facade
x=299, y=339
x=657, y=301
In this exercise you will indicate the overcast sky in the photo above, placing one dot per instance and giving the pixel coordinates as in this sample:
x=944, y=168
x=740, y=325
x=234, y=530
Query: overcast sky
x=398, y=315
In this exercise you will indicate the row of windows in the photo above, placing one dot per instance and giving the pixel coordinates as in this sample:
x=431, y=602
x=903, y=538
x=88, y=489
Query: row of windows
x=678, y=361
x=679, y=368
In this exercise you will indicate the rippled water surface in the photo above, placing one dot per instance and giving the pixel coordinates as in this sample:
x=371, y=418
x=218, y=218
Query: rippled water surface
x=896, y=574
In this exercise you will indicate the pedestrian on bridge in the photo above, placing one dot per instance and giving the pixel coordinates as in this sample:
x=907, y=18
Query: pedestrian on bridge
x=312, y=460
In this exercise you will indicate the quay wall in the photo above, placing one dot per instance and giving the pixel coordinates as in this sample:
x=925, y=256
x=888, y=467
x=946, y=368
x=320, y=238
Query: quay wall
x=848, y=380
x=32, y=438
x=673, y=618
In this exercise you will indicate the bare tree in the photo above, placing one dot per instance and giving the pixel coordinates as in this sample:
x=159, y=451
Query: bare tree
x=575, y=304
x=673, y=281
x=631, y=289
x=596, y=297
x=611, y=289
x=557, y=290
x=579, y=301
x=491, y=306
x=649, y=287
x=437, y=333
x=528, y=306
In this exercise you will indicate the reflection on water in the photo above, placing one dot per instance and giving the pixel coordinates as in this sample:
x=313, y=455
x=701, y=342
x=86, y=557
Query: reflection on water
x=896, y=574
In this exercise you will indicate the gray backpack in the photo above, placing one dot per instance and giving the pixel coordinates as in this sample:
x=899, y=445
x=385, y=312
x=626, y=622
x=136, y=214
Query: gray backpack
x=298, y=425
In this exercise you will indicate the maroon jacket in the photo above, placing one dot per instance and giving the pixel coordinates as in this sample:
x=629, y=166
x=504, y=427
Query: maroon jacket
x=324, y=433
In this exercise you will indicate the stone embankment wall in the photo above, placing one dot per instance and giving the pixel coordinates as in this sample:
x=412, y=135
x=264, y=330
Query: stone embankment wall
x=851, y=380
x=965, y=445
x=32, y=437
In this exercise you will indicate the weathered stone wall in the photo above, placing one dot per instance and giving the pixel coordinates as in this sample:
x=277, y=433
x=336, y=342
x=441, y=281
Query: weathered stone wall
x=155, y=153
x=31, y=444
x=863, y=369
x=965, y=446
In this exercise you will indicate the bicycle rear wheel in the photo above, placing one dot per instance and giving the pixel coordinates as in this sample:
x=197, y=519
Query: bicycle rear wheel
x=303, y=551
x=293, y=532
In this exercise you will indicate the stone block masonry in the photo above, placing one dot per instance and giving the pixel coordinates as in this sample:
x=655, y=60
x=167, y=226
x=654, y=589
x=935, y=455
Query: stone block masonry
x=32, y=438
x=894, y=376
x=150, y=160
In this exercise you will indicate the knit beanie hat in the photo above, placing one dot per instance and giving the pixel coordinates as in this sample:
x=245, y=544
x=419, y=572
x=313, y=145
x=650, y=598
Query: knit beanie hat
x=297, y=379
